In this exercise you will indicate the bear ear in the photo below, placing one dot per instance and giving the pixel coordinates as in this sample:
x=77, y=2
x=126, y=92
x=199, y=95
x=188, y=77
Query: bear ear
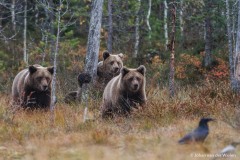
x=124, y=71
x=120, y=55
x=32, y=69
x=50, y=69
x=141, y=69
x=106, y=54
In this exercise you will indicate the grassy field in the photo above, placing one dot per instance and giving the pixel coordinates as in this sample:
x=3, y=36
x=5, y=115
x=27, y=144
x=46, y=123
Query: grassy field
x=151, y=133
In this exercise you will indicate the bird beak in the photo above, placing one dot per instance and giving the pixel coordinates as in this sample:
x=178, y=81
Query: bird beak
x=211, y=119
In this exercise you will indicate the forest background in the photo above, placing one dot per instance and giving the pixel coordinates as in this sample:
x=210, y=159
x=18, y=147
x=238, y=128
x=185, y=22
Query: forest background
x=206, y=60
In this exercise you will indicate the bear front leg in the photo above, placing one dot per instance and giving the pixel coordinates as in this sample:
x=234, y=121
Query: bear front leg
x=29, y=99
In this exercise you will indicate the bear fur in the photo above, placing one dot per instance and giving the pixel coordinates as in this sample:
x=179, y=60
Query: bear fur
x=124, y=91
x=106, y=70
x=32, y=87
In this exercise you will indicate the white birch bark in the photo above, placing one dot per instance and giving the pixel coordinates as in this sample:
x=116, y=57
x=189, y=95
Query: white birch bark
x=136, y=46
x=53, y=92
x=165, y=23
x=25, y=56
x=147, y=20
x=148, y=14
x=13, y=14
x=237, y=53
x=93, y=46
x=181, y=18
x=230, y=46
x=110, y=27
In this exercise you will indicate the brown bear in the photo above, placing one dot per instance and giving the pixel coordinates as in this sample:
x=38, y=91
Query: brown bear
x=124, y=91
x=32, y=87
x=106, y=70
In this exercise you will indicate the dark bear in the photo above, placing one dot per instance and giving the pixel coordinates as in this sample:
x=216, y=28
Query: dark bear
x=32, y=87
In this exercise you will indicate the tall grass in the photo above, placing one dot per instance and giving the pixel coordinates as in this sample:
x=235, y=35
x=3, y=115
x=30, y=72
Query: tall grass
x=149, y=133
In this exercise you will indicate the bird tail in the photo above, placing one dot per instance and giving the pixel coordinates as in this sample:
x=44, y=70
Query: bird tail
x=84, y=78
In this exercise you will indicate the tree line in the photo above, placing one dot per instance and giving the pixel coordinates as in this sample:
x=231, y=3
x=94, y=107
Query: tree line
x=29, y=29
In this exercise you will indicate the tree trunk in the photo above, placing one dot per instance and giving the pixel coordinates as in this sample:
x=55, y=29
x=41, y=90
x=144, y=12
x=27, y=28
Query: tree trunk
x=237, y=56
x=53, y=93
x=148, y=16
x=208, y=38
x=181, y=21
x=51, y=20
x=207, y=61
x=110, y=27
x=93, y=45
x=172, y=56
x=230, y=46
x=165, y=24
x=13, y=14
x=136, y=46
x=25, y=56
x=36, y=13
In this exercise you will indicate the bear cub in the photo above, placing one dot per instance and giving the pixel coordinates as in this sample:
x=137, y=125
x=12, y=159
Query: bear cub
x=32, y=87
x=123, y=92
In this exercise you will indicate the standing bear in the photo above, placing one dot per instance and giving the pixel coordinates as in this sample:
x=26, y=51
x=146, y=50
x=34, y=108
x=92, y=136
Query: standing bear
x=32, y=87
x=124, y=91
x=106, y=70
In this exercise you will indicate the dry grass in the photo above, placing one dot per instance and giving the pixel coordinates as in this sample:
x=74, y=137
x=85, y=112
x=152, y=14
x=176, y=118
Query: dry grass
x=151, y=133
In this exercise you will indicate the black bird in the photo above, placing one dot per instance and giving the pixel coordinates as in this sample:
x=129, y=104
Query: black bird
x=199, y=134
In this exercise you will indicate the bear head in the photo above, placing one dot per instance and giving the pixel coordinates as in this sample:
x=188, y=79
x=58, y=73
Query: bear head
x=112, y=63
x=133, y=79
x=40, y=78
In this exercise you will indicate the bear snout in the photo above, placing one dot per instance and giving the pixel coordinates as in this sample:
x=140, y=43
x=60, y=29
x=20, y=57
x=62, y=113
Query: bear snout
x=116, y=69
x=44, y=87
x=135, y=86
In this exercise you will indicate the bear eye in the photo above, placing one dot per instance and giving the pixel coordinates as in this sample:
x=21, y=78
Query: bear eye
x=112, y=62
x=138, y=79
x=130, y=79
x=39, y=78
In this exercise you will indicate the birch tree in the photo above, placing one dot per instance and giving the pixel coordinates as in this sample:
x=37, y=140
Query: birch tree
x=60, y=28
x=172, y=56
x=136, y=46
x=230, y=45
x=165, y=23
x=237, y=55
x=25, y=56
x=148, y=16
x=13, y=14
x=110, y=27
x=93, y=46
x=181, y=20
